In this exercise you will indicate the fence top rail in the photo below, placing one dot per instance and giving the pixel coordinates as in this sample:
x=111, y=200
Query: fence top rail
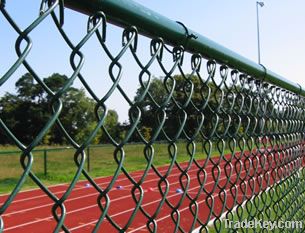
x=6, y=152
x=127, y=12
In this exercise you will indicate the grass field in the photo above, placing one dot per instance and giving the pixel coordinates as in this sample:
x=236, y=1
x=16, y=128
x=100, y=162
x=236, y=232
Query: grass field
x=61, y=167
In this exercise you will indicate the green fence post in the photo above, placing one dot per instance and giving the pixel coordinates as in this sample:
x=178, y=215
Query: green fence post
x=45, y=156
x=88, y=158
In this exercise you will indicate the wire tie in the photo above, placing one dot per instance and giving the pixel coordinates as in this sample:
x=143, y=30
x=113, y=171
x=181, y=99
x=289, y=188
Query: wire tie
x=187, y=34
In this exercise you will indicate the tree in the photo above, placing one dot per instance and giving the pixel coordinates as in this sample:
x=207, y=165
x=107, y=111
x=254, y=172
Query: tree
x=215, y=103
x=175, y=108
x=26, y=112
x=112, y=126
x=77, y=116
x=23, y=113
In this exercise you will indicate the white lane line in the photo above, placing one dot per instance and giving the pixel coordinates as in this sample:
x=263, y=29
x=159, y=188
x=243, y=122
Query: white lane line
x=186, y=208
x=85, y=196
x=161, y=169
x=81, y=226
x=210, y=223
x=93, y=206
x=59, y=192
x=75, y=198
x=101, y=177
x=149, y=203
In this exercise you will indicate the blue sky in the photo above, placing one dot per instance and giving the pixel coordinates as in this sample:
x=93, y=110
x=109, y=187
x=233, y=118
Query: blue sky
x=233, y=25
x=229, y=23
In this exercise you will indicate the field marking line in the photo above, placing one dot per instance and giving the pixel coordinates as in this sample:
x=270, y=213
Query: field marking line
x=66, y=183
x=126, y=211
x=75, y=198
x=160, y=168
x=197, y=230
x=80, y=188
x=243, y=204
x=146, y=204
x=100, y=177
x=183, y=209
x=92, y=206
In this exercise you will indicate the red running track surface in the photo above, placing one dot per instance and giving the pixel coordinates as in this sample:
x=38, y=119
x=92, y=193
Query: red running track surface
x=31, y=210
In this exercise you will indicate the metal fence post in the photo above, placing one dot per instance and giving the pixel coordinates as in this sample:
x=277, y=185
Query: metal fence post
x=45, y=157
x=88, y=158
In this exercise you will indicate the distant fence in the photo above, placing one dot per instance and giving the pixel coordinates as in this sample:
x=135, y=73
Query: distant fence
x=253, y=117
x=45, y=154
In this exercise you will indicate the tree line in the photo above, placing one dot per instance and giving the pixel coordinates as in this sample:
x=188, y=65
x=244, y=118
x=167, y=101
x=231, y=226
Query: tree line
x=27, y=111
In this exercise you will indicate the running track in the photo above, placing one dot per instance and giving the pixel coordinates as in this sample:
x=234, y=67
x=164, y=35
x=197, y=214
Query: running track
x=31, y=210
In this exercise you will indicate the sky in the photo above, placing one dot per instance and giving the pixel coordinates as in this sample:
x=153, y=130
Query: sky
x=232, y=23
x=229, y=23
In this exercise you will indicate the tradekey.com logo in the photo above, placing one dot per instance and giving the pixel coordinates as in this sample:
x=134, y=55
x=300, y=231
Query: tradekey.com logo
x=269, y=225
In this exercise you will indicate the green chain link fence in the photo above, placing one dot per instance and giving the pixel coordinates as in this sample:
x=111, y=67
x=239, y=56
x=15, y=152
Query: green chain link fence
x=244, y=109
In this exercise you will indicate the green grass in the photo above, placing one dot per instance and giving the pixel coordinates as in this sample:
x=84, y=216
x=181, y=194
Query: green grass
x=282, y=202
x=61, y=167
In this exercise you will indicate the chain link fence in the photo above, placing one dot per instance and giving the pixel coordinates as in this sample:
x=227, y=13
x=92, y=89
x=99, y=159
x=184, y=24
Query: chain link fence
x=252, y=119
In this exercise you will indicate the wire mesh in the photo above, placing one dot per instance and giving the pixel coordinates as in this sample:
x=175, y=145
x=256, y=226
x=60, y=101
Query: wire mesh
x=243, y=138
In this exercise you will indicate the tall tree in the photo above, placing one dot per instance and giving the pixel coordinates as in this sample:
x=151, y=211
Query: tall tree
x=177, y=106
x=26, y=112
x=206, y=98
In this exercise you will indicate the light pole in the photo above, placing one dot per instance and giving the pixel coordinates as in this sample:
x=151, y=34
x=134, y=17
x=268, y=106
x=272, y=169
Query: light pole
x=261, y=4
